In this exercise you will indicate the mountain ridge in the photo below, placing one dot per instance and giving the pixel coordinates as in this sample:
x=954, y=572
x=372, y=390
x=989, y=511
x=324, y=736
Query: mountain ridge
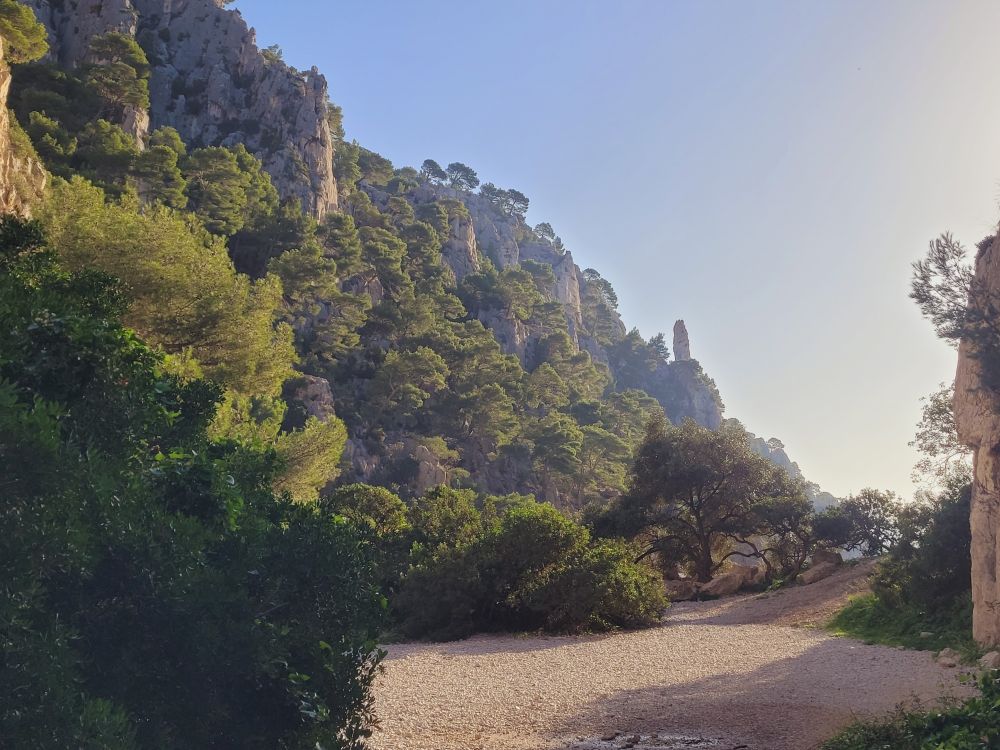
x=210, y=82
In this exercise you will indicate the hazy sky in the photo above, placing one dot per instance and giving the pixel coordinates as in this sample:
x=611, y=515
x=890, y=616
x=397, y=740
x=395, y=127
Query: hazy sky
x=765, y=170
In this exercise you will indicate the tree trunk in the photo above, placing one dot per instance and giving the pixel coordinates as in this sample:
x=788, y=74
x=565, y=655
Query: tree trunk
x=704, y=565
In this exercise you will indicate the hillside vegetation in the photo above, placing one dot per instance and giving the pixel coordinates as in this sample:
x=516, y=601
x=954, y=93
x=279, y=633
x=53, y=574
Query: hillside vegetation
x=267, y=399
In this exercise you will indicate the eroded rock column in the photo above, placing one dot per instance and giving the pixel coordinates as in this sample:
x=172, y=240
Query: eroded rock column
x=977, y=416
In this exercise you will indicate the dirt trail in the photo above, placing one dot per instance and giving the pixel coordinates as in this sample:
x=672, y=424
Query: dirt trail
x=744, y=672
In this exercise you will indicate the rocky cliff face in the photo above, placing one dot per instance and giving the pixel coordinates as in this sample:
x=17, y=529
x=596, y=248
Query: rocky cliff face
x=977, y=417
x=22, y=177
x=211, y=83
x=680, y=386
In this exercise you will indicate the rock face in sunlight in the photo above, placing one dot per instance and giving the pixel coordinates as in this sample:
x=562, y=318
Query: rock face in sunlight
x=22, y=177
x=211, y=83
x=978, y=422
x=682, y=346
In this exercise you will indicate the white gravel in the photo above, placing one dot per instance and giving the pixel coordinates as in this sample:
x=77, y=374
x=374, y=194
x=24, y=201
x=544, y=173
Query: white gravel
x=703, y=678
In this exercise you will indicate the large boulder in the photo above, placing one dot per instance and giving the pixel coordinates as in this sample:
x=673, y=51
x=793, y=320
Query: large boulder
x=728, y=583
x=313, y=396
x=817, y=573
x=681, y=590
x=821, y=556
x=990, y=660
x=948, y=658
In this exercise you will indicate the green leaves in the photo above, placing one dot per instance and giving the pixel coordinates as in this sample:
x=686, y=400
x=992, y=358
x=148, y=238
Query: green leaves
x=529, y=567
x=24, y=37
x=155, y=591
x=119, y=72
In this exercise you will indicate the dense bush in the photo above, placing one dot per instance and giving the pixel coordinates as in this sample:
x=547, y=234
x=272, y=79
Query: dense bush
x=929, y=566
x=517, y=565
x=923, y=584
x=155, y=592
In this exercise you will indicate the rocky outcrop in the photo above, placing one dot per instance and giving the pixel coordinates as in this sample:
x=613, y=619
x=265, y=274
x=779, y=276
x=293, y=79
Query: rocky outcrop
x=461, y=251
x=567, y=291
x=948, y=658
x=682, y=345
x=990, y=660
x=430, y=473
x=314, y=396
x=510, y=333
x=211, y=83
x=977, y=417
x=362, y=463
x=22, y=177
x=686, y=393
x=506, y=241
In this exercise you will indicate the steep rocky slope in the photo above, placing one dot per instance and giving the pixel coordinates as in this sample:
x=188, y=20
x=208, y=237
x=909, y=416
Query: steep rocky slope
x=505, y=240
x=977, y=417
x=211, y=83
x=22, y=177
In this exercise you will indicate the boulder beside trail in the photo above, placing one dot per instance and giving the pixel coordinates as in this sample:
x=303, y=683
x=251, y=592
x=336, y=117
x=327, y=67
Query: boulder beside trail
x=728, y=583
x=817, y=573
x=827, y=556
x=948, y=657
x=990, y=660
x=681, y=590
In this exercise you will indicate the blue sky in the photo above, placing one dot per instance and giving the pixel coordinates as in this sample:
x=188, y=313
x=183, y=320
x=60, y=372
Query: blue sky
x=766, y=171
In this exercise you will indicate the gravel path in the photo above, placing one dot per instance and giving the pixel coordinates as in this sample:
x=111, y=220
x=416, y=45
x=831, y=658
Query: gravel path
x=735, y=673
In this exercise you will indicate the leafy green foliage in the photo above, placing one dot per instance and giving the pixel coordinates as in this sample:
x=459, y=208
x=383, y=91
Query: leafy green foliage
x=869, y=619
x=228, y=188
x=874, y=516
x=156, y=592
x=310, y=457
x=159, y=177
x=375, y=168
x=118, y=72
x=692, y=490
x=431, y=170
x=185, y=294
x=943, y=458
x=461, y=176
x=516, y=564
x=958, y=305
x=24, y=37
x=923, y=584
x=365, y=299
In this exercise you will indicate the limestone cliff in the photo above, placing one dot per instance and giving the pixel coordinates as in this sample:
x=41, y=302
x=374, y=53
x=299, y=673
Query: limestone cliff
x=681, y=386
x=22, y=177
x=977, y=417
x=211, y=82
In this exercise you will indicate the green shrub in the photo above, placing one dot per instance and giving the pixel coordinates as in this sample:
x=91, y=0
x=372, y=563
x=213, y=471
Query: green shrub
x=972, y=725
x=930, y=564
x=923, y=583
x=441, y=596
x=528, y=567
x=870, y=619
x=24, y=36
x=155, y=591
x=597, y=588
